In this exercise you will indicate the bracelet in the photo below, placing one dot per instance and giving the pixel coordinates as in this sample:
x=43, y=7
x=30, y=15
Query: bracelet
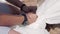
x=25, y=19
x=22, y=7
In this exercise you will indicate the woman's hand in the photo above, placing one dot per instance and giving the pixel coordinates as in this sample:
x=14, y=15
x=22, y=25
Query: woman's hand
x=31, y=17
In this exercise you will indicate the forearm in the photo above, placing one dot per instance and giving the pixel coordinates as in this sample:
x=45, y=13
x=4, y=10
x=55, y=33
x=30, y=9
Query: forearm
x=14, y=21
x=15, y=2
x=19, y=4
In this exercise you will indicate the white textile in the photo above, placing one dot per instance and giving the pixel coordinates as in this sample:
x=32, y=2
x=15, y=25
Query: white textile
x=4, y=30
x=48, y=12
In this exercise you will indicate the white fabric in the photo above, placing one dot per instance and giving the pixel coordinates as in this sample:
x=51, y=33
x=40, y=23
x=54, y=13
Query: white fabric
x=48, y=12
x=4, y=30
x=27, y=30
x=2, y=1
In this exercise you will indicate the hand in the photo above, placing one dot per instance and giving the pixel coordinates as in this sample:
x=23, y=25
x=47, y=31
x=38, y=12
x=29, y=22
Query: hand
x=31, y=18
x=28, y=9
